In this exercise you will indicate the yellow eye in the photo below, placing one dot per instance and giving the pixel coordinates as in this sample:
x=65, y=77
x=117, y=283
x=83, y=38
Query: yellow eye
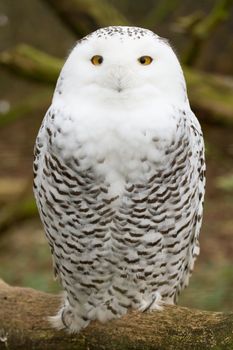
x=145, y=60
x=97, y=60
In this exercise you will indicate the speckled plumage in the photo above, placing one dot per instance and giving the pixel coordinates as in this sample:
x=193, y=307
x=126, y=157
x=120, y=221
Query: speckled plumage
x=119, y=178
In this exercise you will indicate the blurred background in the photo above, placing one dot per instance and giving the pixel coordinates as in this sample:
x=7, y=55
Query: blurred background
x=35, y=37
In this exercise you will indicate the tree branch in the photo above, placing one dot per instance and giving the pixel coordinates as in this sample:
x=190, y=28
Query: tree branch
x=17, y=211
x=159, y=12
x=210, y=94
x=202, y=30
x=84, y=16
x=24, y=325
x=26, y=107
x=32, y=63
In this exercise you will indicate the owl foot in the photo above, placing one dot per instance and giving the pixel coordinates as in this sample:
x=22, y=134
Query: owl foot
x=155, y=303
x=63, y=319
x=67, y=319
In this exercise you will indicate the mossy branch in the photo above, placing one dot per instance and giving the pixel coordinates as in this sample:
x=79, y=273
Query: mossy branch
x=159, y=12
x=203, y=29
x=30, y=62
x=17, y=211
x=210, y=94
x=24, y=325
x=84, y=16
x=19, y=208
x=26, y=107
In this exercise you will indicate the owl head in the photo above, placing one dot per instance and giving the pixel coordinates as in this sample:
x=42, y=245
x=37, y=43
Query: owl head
x=117, y=63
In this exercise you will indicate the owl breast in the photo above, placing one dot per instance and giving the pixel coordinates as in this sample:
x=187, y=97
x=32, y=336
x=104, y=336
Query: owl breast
x=120, y=214
x=119, y=145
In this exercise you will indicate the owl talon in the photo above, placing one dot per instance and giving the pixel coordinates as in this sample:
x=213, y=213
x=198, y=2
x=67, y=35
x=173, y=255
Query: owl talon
x=151, y=303
x=66, y=315
x=63, y=319
x=154, y=304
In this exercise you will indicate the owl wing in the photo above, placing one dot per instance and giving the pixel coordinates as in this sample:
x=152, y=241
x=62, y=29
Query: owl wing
x=197, y=162
x=73, y=201
x=40, y=174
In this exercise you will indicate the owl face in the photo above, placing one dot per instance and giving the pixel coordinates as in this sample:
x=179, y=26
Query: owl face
x=116, y=62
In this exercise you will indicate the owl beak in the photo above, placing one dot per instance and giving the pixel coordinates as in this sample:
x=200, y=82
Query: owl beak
x=119, y=88
x=118, y=78
x=118, y=84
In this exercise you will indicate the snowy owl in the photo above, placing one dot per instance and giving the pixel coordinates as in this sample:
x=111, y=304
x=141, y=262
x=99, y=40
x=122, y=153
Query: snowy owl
x=119, y=177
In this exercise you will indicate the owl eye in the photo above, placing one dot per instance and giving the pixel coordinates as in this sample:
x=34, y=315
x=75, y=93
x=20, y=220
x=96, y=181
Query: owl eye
x=97, y=60
x=145, y=60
